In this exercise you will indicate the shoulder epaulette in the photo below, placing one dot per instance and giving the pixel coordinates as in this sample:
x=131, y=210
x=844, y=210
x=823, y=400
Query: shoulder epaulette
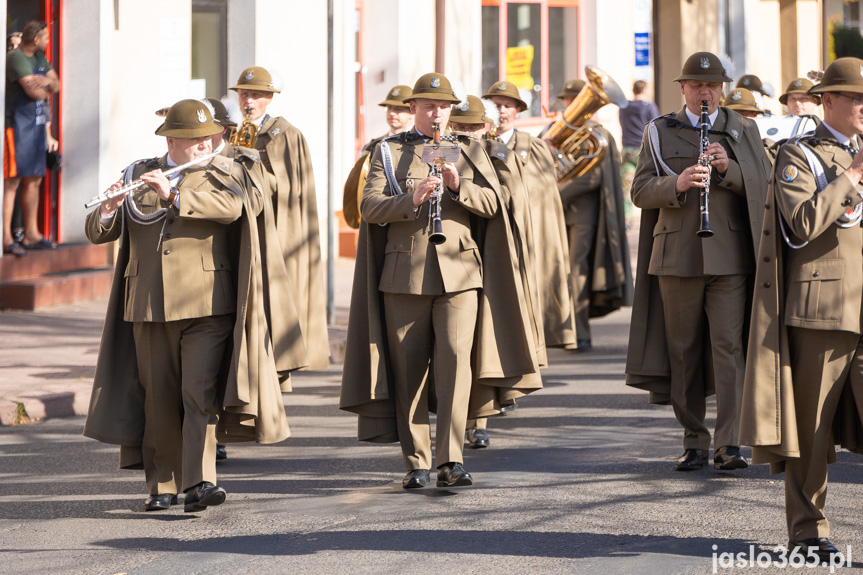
x=248, y=153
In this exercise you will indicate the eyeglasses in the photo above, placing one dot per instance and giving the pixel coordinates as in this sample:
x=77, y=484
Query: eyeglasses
x=857, y=100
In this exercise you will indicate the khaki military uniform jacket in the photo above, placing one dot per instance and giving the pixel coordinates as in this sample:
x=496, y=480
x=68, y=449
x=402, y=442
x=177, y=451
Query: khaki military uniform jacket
x=250, y=400
x=286, y=155
x=505, y=364
x=667, y=243
x=818, y=286
x=551, y=245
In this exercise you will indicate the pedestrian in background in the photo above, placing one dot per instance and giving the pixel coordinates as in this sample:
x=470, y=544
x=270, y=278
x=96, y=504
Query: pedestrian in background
x=633, y=119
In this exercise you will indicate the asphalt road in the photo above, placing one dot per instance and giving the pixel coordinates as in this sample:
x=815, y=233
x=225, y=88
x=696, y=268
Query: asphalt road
x=579, y=479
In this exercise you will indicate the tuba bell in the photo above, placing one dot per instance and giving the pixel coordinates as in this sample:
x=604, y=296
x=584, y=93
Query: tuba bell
x=246, y=133
x=577, y=149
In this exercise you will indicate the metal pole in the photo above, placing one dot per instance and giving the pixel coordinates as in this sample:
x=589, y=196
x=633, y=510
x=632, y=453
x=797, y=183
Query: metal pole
x=331, y=176
x=440, y=35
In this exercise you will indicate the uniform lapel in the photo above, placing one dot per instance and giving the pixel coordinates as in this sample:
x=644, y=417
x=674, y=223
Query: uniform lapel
x=689, y=136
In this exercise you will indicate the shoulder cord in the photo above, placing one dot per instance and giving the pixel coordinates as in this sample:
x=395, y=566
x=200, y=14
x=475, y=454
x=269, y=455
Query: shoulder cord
x=140, y=218
x=653, y=134
x=395, y=190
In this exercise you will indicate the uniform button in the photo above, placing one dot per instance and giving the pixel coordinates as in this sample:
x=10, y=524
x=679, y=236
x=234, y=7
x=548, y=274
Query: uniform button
x=767, y=284
x=847, y=202
x=171, y=221
x=663, y=228
x=766, y=232
x=167, y=235
x=766, y=258
x=190, y=212
x=167, y=252
x=816, y=274
x=766, y=206
x=671, y=204
x=406, y=217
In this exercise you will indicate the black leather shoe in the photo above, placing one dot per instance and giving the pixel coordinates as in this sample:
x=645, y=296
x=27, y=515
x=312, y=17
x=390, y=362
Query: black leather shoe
x=221, y=452
x=453, y=475
x=692, y=459
x=160, y=502
x=477, y=438
x=203, y=495
x=823, y=548
x=728, y=457
x=416, y=479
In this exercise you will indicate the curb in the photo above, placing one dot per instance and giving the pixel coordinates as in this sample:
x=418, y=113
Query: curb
x=45, y=405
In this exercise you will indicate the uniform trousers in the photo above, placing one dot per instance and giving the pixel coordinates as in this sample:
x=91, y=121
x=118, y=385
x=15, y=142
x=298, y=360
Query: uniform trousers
x=687, y=303
x=179, y=363
x=431, y=332
x=582, y=238
x=822, y=363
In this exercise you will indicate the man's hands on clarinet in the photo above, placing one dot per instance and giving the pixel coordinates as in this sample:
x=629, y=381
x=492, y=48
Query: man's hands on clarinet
x=695, y=176
x=449, y=177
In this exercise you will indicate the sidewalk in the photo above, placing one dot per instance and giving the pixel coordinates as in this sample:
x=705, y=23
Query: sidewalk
x=48, y=357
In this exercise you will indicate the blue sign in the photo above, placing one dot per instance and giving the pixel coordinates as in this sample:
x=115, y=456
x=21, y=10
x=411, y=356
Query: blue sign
x=642, y=48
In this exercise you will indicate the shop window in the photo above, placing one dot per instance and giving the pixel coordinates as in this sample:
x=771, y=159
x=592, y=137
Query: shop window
x=534, y=45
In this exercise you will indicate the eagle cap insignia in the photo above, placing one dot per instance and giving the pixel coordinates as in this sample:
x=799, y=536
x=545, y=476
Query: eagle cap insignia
x=735, y=96
x=435, y=82
x=250, y=74
x=745, y=81
x=202, y=116
x=705, y=62
x=501, y=86
x=463, y=106
x=797, y=83
x=789, y=173
x=395, y=92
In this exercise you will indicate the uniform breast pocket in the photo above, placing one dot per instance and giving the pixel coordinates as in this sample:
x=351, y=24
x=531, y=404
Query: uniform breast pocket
x=666, y=247
x=218, y=277
x=816, y=291
x=470, y=258
x=397, y=264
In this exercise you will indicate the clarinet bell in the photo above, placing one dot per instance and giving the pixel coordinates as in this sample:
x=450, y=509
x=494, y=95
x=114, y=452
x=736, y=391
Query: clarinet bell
x=437, y=237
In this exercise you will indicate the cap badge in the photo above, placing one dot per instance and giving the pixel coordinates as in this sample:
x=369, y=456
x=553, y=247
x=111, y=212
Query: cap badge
x=789, y=174
x=435, y=82
x=464, y=106
x=501, y=87
x=735, y=96
x=250, y=74
x=202, y=116
x=570, y=86
x=395, y=92
x=797, y=83
x=861, y=70
x=705, y=62
x=745, y=81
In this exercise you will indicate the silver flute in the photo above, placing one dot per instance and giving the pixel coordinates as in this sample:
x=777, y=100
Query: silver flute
x=104, y=197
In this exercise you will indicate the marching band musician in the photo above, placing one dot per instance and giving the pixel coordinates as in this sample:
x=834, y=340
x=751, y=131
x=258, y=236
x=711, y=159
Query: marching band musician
x=798, y=100
x=803, y=389
x=546, y=213
x=186, y=337
x=691, y=289
x=285, y=155
x=416, y=306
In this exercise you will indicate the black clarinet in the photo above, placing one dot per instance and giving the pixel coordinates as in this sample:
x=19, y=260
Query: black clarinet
x=704, y=160
x=436, y=235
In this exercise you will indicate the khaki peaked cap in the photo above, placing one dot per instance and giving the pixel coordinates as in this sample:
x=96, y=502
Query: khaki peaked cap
x=188, y=119
x=703, y=67
x=255, y=78
x=507, y=90
x=798, y=86
x=470, y=111
x=432, y=86
x=396, y=96
x=843, y=75
x=571, y=89
x=741, y=100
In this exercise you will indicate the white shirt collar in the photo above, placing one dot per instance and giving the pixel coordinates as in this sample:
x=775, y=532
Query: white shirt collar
x=841, y=138
x=220, y=148
x=696, y=120
x=506, y=136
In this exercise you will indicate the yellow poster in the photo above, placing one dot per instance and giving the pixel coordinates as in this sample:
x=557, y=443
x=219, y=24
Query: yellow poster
x=519, y=60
